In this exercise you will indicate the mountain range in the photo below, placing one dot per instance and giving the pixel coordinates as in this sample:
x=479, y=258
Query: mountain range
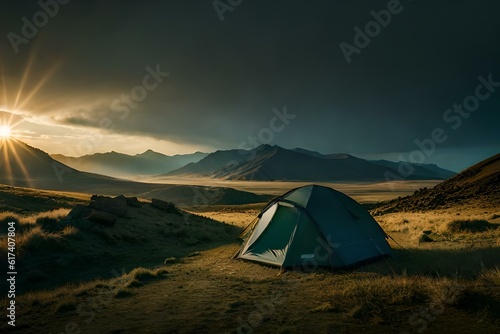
x=272, y=163
x=25, y=166
x=129, y=166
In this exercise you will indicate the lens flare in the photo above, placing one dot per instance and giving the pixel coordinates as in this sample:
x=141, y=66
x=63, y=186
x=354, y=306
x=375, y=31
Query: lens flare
x=5, y=131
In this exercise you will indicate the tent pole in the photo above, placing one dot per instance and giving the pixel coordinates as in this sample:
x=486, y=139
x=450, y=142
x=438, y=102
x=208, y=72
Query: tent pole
x=394, y=240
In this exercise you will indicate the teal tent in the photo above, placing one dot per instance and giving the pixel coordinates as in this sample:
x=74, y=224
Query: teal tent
x=313, y=226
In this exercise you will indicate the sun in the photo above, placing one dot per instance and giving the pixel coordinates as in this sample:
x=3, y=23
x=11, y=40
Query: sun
x=5, y=131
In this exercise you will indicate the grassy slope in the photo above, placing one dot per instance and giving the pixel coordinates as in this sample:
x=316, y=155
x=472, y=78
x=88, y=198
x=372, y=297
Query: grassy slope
x=28, y=201
x=478, y=184
x=50, y=254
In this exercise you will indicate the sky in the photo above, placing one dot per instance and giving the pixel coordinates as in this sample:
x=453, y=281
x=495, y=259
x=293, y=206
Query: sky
x=376, y=79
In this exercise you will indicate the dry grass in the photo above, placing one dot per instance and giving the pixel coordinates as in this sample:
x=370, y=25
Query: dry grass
x=54, y=251
x=139, y=276
x=430, y=220
x=28, y=201
x=456, y=278
x=363, y=297
x=36, y=239
x=52, y=214
x=27, y=221
x=196, y=292
x=35, y=232
x=71, y=297
x=142, y=274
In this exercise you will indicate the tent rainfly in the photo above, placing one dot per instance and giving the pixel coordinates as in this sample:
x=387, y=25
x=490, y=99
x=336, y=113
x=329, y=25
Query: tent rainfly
x=313, y=226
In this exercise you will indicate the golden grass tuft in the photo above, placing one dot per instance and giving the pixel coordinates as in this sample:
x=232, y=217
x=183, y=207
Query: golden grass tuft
x=35, y=239
x=141, y=273
x=32, y=219
x=54, y=214
x=491, y=275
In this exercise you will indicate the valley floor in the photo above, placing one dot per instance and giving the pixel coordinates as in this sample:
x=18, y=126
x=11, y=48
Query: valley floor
x=363, y=192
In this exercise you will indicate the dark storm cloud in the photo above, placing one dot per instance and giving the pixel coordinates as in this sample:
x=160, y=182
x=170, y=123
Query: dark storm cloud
x=226, y=77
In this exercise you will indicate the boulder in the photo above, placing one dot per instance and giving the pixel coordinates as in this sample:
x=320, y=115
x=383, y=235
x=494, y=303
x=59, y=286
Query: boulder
x=164, y=206
x=133, y=202
x=79, y=212
x=103, y=218
x=98, y=197
x=115, y=206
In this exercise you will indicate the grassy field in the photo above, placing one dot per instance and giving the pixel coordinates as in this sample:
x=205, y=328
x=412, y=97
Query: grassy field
x=155, y=272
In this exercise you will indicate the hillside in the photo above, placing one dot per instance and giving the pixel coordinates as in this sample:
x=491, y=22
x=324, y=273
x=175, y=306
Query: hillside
x=102, y=236
x=123, y=165
x=273, y=163
x=26, y=166
x=479, y=184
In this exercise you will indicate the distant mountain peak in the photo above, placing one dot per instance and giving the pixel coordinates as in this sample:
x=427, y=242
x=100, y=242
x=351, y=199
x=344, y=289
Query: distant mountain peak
x=266, y=147
x=130, y=166
x=148, y=152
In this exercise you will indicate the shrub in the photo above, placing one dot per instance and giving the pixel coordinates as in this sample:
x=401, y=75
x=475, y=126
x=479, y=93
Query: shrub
x=469, y=225
x=6, y=218
x=66, y=307
x=492, y=276
x=37, y=239
x=124, y=293
x=142, y=274
x=48, y=224
x=424, y=237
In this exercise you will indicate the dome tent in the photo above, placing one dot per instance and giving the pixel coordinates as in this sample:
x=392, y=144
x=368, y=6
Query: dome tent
x=313, y=226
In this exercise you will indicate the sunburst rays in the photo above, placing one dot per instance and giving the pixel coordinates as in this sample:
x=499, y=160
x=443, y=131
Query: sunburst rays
x=15, y=102
x=12, y=161
x=18, y=102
